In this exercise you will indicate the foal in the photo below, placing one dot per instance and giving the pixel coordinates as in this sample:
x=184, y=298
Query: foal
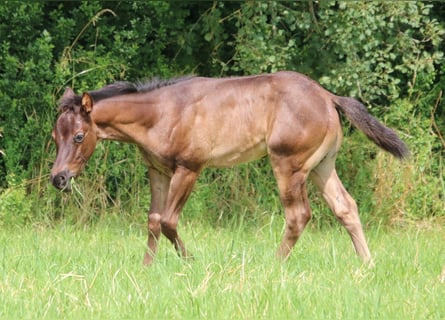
x=186, y=124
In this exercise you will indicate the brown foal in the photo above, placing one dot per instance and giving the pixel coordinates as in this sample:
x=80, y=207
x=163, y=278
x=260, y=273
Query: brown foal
x=186, y=124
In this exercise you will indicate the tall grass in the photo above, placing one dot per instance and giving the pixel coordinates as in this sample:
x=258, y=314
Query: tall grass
x=96, y=272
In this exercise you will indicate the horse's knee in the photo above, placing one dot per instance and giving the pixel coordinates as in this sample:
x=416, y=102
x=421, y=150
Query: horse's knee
x=154, y=218
x=154, y=223
x=296, y=223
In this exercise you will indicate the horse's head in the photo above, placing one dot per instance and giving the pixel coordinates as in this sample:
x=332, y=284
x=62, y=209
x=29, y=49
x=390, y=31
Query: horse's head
x=75, y=138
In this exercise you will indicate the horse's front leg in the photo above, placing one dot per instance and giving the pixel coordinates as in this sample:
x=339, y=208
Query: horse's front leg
x=181, y=186
x=159, y=185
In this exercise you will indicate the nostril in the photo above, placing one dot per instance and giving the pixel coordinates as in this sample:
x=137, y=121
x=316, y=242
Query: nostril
x=60, y=181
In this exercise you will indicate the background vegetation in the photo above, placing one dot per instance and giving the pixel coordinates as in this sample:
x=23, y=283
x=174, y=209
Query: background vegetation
x=388, y=54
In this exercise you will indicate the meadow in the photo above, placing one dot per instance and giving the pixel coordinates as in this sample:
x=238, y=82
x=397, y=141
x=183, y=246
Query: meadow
x=96, y=272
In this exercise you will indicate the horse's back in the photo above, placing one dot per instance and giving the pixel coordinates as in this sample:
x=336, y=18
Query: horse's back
x=233, y=120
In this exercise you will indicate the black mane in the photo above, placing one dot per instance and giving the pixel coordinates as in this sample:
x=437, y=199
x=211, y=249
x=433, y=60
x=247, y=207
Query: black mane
x=121, y=88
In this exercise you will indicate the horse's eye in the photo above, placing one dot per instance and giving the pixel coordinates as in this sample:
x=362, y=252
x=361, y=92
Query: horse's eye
x=78, y=137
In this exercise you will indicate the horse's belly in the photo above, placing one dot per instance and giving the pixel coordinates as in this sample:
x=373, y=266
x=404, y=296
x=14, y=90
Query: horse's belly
x=233, y=156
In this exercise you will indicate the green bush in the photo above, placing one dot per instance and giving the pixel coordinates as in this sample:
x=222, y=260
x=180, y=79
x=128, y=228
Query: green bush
x=15, y=207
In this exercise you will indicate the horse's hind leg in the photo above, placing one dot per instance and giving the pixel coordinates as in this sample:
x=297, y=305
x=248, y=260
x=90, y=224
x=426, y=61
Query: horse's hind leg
x=293, y=195
x=341, y=203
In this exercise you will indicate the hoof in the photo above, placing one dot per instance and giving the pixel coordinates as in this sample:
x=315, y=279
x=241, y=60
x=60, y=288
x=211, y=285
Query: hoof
x=148, y=259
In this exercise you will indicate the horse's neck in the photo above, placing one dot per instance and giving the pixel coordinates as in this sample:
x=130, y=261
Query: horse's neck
x=122, y=120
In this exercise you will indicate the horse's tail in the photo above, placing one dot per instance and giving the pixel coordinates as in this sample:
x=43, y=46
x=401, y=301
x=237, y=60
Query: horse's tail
x=381, y=135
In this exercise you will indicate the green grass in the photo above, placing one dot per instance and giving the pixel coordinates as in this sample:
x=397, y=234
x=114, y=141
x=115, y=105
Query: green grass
x=96, y=272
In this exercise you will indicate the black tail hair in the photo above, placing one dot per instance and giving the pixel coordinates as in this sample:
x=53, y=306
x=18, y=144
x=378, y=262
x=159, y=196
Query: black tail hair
x=381, y=135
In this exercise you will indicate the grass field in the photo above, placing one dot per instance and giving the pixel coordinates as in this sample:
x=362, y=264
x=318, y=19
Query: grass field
x=96, y=273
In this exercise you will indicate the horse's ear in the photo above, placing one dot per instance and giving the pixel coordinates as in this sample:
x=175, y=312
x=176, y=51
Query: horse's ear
x=87, y=103
x=68, y=93
x=65, y=100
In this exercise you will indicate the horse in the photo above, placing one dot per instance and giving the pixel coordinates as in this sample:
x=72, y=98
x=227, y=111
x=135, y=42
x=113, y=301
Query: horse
x=186, y=124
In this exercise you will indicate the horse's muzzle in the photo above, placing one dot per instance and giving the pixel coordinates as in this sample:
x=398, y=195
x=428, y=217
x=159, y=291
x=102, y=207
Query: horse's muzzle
x=62, y=180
